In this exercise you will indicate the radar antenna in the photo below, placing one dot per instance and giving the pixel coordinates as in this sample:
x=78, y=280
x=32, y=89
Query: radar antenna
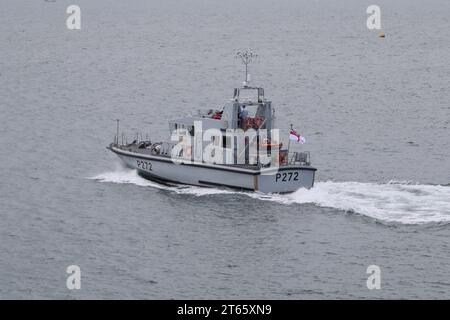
x=246, y=58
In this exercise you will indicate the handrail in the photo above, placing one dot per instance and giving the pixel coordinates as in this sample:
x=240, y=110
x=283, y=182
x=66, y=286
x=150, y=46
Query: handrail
x=302, y=158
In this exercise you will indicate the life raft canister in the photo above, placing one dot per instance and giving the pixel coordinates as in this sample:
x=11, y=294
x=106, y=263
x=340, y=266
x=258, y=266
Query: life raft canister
x=217, y=115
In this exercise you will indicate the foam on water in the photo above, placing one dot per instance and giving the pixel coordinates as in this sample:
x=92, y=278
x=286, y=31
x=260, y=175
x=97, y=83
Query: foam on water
x=391, y=202
x=130, y=176
x=399, y=202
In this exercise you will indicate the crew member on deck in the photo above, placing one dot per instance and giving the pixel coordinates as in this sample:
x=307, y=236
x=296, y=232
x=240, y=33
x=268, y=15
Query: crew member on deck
x=243, y=115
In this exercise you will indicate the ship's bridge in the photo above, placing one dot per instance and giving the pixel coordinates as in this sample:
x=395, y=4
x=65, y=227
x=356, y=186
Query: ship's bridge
x=249, y=95
x=252, y=109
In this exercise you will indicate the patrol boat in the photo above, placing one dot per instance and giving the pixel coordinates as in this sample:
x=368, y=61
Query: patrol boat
x=235, y=147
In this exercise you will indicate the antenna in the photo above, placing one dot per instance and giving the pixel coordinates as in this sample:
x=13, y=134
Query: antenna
x=246, y=57
x=117, y=131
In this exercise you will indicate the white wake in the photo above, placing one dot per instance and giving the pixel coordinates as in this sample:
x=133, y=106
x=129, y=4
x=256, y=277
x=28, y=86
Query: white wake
x=390, y=202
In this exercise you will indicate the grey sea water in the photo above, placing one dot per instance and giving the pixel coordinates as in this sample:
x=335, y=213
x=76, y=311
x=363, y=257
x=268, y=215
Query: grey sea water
x=375, y=113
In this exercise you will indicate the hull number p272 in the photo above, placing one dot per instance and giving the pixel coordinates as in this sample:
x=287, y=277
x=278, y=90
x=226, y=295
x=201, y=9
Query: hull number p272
x=286, y=176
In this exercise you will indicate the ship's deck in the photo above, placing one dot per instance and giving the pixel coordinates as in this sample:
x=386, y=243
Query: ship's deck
x=147, y=151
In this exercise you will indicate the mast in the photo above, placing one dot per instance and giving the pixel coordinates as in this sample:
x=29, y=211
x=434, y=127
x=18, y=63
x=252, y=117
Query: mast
x=246, y=57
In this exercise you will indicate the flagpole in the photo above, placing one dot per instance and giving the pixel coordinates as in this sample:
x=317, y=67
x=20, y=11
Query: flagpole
x=289, y=142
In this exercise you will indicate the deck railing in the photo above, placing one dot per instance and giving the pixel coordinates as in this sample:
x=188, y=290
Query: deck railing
x=300, y=158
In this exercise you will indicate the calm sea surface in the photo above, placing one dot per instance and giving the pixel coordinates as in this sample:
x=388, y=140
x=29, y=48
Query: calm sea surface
x=375, y=113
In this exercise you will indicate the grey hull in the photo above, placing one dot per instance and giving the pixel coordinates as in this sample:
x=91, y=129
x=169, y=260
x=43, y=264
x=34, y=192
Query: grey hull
x=267, y=180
